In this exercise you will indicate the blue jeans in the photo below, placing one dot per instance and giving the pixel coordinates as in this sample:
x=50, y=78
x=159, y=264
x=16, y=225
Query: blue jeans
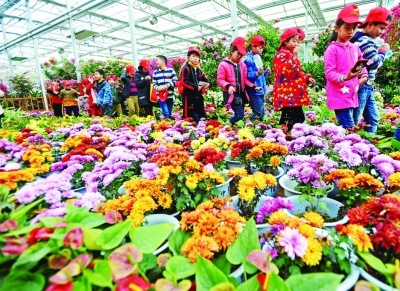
x=367, y=108
x=397, y=133
x=166, y=107
x=345, y=117
x=257, y=105
x=106, y=109
x=239, y=113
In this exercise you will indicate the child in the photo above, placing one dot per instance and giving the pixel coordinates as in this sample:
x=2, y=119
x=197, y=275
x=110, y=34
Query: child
x=104, y=94
x=56, y=101
x=116, y=107
x=143, y=81
x=193, y=100
x=130, y=92
x=258, y=76
x=70, y=100
x=340, y=57
x=94, y=109
x=377, y=20
x=232, y=78
x=164, y=80
x=290, y=87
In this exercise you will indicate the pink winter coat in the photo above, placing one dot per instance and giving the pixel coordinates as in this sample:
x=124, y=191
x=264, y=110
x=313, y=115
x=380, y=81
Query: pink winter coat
x=226, y=77
x=339, y=59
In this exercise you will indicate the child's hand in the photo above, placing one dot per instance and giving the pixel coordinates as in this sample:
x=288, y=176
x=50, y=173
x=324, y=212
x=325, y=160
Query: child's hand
x=260, y=72
x=258, y=89
x=362, y=81
x=199, y=87
x=231, y=90
x=312, y=81
x=351, y=75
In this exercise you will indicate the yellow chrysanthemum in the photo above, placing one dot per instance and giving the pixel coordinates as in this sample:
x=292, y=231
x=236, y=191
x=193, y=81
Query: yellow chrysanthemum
x=307, y=230
x=314, y=219
x=224, y=236
x=246, y=192
x=278, y=217
x=245, y=134
x=192, y=165
x=360, y=238
x=394, y=179
x=202, y=139
x=313, y=254
x=237, y=172
x=191, y=182
x=158, y=135
x=165, y=201
x=275, y=161
x=137, y=218
x=260, y=180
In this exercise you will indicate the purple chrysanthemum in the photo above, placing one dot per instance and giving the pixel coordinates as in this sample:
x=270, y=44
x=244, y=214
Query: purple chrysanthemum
x=294, y=243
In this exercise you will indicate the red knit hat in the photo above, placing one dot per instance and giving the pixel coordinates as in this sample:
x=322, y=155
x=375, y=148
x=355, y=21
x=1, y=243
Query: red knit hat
x=241, y=45
x=258, y=40
x=109, y=78
x=378, y=14
x=66, y=83
x=350, y=14
x=163, y=95
x=288, y=33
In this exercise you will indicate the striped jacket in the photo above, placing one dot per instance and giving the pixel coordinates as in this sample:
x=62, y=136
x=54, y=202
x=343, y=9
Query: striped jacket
x=165, y=77
x=370, y=51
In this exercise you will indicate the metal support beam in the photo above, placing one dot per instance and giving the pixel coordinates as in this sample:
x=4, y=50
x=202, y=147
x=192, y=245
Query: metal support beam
x=314, y=10
x=234, y=24
x=250, y=12
x=132, y=31
x=73, y=40
x=6, y=51
x=165, y=46
x=34, y=41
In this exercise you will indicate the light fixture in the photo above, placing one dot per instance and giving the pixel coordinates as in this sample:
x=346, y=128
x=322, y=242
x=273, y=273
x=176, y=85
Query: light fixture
x=83, y=34
x=61, y=50
x=153, y=20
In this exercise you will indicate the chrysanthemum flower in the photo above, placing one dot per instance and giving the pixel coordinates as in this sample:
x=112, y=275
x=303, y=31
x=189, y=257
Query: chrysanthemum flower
x=313, y=254
x=307, y=231
x=314, y=219
x=224, y=236
x=394, y=180
x=346, y=183
x=358, y=215
x=360, y=238
x=278, y=217
x=203, y=246
x=237, y=172
x=165, y=201
x=293, y=242
x=275, y=161
x=246, y=192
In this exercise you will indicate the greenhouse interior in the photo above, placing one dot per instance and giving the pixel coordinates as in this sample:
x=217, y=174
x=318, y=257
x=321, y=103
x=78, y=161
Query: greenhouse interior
x=209, y=145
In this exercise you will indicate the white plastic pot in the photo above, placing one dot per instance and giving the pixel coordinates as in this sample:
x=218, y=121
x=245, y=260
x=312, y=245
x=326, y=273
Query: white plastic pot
x=289, y=186
x=273, y=191
x=373, y=280
x=286, y=167
x=225, y=188
x=154, y=219
x=238, y=274
x=333, y=206
x=234, y=164
x=350, y=280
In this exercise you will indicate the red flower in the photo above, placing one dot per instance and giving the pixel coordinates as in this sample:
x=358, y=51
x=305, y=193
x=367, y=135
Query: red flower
x=58, y=287
x=124, y=284
x=7, y=225
x=359, y=216
x=39, y=233
x=387, y=235
x=74, y=238
x=14, y=246
x=113, y=216
x=49, y=130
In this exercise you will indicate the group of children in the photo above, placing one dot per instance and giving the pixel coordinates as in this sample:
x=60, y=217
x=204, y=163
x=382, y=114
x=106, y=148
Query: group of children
x=350, y=90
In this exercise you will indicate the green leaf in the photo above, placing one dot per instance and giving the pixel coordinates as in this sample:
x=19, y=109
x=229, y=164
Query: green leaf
x=90, y=236
x=111, y=237
x=375, y=263
x=208, y=275
x=180, y=267
x=396, y=144
x=251, y=285
x=23, y=281
x=316, y=281
x=83, y=216
x=101, y=276
x=49, y=222
x=223, y=264
x=33, y=254
x=223, y=287
x=24, y=209
x=243, y=245
x=176, y=241
x=277, y=283
x=149, y=262
x=150, y=238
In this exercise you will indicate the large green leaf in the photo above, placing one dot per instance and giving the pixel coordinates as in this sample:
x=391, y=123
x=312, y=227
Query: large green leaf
x=83, y=216
x=24, y=209
x=208, y=275
x=223, y=264
x=150, y=238
x=90, y=236
x=243, y=245
x=23, y=281
x=375, y=263
x=33, y=254
x=315, y=281
x=49, y=222
x=111, y=237
x=176, y=241
x=149, y=262
x=277, y=283
x=101, y=276
x=251, y=285
x=180, y=267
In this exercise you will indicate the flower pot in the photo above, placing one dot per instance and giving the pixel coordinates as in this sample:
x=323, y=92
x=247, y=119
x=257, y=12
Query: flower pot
x=154, y=219
x=351, y=279
x=80, y=190
x=234, y=164
x=273, y=191
x=333, y=206
x=289, y=186
x=373, y=280
x=224, y=188
x=261, y=228
x=238, y=274
x=286, y=167
x=121, y=190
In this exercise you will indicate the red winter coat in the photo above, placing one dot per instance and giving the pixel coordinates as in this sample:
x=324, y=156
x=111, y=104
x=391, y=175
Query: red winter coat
x=290, y=87
x=94, y=109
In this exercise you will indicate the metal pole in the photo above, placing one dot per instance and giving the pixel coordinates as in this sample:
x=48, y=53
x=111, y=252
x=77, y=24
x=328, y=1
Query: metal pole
x=306, y=33
x=165, y=46
x=234, y=19
x=6, y=51
x=132, y=30
x=74, y=49
x=34, y=41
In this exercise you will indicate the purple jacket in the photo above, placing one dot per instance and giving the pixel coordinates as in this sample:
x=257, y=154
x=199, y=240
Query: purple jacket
x=339, y=59
x=226, y=77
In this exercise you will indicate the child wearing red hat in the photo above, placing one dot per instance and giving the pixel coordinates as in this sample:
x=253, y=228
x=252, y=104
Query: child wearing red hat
x=192, y=96
x=94, y=109
x=340, y=57
x=143, y=81
x=56, y=101
x=232, y=78
x=257, y=75
x=290, y=87
x=70, y=101
x=377, y=20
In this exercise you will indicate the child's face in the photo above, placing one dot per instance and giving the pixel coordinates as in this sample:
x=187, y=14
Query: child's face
x=346, y=31
x=159, y=62
x=375, y=30
x=98, y=76
x=292, y=43
x=55, y=84
x=236, y=56
x=257, y=50
x=68, y=87
x=194, y=58
x=111, y=82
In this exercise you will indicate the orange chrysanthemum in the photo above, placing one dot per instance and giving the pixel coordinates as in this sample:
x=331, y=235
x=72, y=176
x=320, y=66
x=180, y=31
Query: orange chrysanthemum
x=314, y=219
x=279, y=217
